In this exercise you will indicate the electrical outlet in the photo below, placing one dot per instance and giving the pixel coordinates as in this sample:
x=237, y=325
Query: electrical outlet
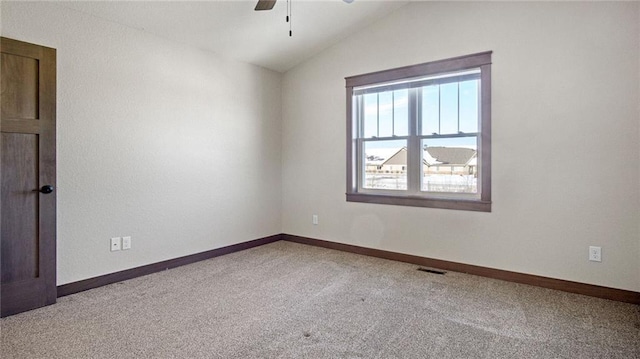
x=595, y=254
x=115, y=244
x=126, y=243
x=314, y=219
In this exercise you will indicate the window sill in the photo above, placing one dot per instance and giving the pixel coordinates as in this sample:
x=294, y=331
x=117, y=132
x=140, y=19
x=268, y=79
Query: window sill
x=443, y=203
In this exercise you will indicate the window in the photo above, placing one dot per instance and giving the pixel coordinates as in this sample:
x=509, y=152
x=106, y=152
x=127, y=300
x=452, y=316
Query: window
x=421, y=135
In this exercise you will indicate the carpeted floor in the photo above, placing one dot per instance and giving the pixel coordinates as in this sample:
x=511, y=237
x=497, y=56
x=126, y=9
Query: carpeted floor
x=286, y=300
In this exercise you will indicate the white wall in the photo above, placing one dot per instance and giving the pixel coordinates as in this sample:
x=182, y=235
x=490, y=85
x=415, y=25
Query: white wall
x=176, y=147
x=566, y=134
x=147, y=146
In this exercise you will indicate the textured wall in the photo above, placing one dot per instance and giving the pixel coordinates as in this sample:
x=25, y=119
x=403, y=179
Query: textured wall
x=565, y=139
x=176, y=147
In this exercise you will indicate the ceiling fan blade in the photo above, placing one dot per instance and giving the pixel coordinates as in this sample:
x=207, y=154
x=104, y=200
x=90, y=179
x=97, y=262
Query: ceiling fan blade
x=265, y=5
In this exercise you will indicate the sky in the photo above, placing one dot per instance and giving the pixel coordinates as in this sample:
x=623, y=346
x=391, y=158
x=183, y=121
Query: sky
x=446, y=109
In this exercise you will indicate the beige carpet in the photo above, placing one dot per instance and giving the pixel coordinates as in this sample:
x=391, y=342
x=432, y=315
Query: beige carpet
x=286, y=300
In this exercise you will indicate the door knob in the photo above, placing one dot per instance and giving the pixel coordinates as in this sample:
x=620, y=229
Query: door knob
x=46, y=189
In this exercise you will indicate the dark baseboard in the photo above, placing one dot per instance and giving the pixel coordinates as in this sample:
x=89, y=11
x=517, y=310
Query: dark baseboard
x=544, y=282
x=110, y=278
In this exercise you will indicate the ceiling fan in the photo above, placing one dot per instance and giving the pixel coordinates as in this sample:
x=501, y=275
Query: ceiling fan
x=268, y=4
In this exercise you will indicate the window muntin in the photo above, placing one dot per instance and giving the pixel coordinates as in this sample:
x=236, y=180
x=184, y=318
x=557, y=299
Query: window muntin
x=383, y=114
x=469, y=97
x=424, y=138
x=431, y=109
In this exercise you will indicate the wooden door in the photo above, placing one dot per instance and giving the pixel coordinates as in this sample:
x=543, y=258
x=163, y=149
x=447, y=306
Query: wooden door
x=28, y=217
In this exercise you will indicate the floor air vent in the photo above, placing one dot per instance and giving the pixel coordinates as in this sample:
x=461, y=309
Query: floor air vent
x=434, y=271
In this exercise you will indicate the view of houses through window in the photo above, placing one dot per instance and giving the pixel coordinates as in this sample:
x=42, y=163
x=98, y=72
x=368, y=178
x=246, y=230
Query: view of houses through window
x=444, y=169
x=446, y=111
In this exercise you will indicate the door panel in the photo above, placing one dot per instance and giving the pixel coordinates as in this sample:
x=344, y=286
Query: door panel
x=19, y=207
x=28, y=160
x=19, y=87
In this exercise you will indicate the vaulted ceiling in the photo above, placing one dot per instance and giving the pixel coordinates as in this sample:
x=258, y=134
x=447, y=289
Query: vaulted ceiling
x=233, y=29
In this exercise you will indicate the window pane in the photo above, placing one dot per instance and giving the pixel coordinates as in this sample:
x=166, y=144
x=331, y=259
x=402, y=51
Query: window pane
x=370, y=122
x=401, y=112
x=430, y=110
x=385, y=165
x=469, y=106
x=450, y=165
x=385, y=111
x=449, y=108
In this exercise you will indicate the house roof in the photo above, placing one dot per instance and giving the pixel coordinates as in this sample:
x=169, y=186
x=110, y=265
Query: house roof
x=458, y=156
x=450, y=155
x=378, y=156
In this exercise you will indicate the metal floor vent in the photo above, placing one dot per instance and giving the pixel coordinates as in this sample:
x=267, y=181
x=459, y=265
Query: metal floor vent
x=434, y=271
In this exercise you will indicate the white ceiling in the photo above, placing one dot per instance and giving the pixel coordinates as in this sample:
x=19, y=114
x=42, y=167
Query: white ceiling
x=233, y=29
